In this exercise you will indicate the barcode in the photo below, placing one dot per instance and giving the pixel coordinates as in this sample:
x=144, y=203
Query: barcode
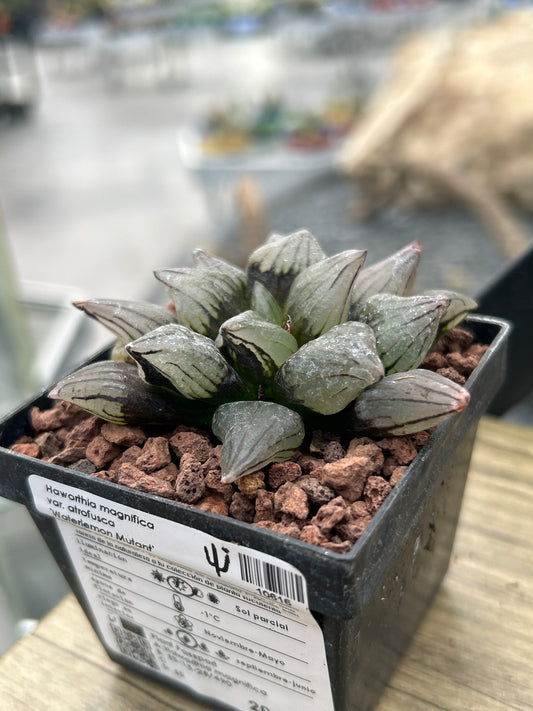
x=271, y=577
x=131, y=641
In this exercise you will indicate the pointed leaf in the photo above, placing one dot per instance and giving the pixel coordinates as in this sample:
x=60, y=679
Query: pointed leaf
x=127, y=319
x=201, y=258
x=460, y=305
x=405, y=403
x=256, y=347
x=276, y=263
x=319, y=296
x=393, y=275
x=328, y=373
x=405, y=327
x=255, y=434
x=174, y=356
x=264, y=304
x=204, y=297
x=115, y=392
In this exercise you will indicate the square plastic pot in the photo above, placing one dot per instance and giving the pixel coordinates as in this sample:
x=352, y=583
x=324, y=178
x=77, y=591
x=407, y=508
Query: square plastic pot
x=368, y=602
x=510, y=297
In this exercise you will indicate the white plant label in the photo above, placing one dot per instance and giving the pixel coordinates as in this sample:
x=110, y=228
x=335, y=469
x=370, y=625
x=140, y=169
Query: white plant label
x=227, y=621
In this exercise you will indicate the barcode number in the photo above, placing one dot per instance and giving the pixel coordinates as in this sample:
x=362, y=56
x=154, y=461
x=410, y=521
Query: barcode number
x=271, y=577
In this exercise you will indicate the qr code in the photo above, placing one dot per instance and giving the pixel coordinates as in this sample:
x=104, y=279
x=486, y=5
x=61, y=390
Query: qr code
x=131, y=641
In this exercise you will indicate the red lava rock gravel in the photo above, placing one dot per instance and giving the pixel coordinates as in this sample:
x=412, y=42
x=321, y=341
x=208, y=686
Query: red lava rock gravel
x=325, y=496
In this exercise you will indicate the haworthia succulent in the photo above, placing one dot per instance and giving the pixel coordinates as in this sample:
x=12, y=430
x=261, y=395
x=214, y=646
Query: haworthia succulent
x=254, y=434
x=326, y=374
x=174, y=356
x=319, y=296
x=115, y=392
x=404, y=403
x=314, y=334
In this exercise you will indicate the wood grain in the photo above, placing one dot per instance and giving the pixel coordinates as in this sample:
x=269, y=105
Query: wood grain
x=472, y=652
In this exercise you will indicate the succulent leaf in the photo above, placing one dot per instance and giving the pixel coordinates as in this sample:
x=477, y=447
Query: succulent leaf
x=278, y=261
x=256, y=347
x=201, y=258
x=460, y=305
x=393, y=275
x=115, y=392
x=174, y=356
x=319, y=296
x=204, y=297
x=326, y=374
x=405, y=327
x=254, y=434
x=405, y=403
x=126, y=319
x=264, y=304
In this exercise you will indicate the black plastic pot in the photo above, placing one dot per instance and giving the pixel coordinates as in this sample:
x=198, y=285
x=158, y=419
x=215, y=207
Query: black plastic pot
x=369, y=602
x=510, y=297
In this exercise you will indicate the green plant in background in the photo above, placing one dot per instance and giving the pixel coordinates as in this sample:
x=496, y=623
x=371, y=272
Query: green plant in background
x=296, y=339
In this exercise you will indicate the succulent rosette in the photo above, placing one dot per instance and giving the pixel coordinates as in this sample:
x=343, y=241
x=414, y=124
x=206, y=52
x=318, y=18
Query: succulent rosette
x=295, y=340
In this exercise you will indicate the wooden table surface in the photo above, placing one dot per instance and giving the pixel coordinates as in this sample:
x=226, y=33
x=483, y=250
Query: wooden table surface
x=474, y=650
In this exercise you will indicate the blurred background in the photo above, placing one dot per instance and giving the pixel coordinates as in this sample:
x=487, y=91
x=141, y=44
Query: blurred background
x=132, y=131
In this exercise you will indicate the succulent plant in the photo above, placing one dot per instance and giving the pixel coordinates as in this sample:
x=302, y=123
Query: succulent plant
x=294, y=341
